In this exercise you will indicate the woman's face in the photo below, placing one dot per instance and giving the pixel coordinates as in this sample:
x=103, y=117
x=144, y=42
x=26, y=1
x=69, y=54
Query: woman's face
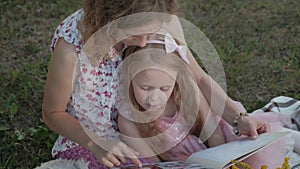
x=136, y=40
x=152, y=88
x=138, y=36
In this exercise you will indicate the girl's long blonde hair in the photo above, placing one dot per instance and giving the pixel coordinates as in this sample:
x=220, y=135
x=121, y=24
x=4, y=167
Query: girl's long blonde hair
x=185, y=93
x=98, y=13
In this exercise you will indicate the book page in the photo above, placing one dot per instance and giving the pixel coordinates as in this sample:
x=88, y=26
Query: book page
x=165, y=165
x=221, y=156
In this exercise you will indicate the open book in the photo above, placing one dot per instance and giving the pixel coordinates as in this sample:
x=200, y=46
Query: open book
x=220, y=156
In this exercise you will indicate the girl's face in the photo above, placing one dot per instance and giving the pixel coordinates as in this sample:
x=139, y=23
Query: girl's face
x=152, y=88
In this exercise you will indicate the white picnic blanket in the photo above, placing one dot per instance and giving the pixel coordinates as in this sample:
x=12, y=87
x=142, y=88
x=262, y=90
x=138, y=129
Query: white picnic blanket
x=287, y=107
x=63, y=164
x=289, y=110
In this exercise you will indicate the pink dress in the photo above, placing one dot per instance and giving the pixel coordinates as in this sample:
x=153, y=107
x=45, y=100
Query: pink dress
x=183, y=143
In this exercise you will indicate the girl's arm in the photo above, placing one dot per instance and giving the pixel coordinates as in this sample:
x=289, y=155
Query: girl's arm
x=57, y=94
x=131, y=136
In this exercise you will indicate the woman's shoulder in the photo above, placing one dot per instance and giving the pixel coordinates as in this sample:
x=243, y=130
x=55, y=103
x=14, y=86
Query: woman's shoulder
x=68, y=30
x=72, y=20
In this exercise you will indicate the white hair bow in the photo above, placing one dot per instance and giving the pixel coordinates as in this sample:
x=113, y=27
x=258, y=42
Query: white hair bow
x=172, y=46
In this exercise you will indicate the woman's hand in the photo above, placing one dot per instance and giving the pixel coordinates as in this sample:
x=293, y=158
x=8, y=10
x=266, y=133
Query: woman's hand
x=113, y=153
x=252, y=127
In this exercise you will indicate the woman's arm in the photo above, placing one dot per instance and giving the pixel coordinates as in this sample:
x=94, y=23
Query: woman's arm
x=58, y=90
x=57, y=94
x=207, y=128
x=204, y=81
x=222, y=104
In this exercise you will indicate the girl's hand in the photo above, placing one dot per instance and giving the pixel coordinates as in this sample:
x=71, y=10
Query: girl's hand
x=113, y=153
x=252, y=127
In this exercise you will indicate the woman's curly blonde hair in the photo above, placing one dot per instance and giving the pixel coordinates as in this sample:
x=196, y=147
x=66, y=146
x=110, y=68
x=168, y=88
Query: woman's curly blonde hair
x=98, y=13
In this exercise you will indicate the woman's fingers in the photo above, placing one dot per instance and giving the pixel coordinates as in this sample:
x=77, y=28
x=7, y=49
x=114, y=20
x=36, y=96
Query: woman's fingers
x=252, y=127
x=113, y=159
x=137, y=162
x=129, y=153
x=253, y=133
x=264, y=127
x=107, y=163
x=118, y=153
x=110, y=160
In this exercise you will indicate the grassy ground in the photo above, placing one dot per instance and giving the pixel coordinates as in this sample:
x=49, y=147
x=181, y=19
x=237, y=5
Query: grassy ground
x=258, y=43
x=26, y=31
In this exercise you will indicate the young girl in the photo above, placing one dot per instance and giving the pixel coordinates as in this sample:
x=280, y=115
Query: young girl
x=164, y=105
x=158, y=105
x=79, y=106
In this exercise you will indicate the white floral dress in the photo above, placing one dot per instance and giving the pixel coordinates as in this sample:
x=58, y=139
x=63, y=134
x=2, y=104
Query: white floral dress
x=91, y=101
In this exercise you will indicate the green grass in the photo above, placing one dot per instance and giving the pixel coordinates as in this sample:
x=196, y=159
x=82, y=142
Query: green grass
x=258, y=44
x=26, y=31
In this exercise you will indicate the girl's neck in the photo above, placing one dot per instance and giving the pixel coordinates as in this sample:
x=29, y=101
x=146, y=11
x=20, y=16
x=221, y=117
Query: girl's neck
x=170, y=109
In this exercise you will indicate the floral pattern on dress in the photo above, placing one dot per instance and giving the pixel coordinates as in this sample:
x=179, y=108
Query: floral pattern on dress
x=91, y=100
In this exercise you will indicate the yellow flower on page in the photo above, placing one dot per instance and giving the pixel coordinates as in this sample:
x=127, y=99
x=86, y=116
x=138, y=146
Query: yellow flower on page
x=264, y=167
